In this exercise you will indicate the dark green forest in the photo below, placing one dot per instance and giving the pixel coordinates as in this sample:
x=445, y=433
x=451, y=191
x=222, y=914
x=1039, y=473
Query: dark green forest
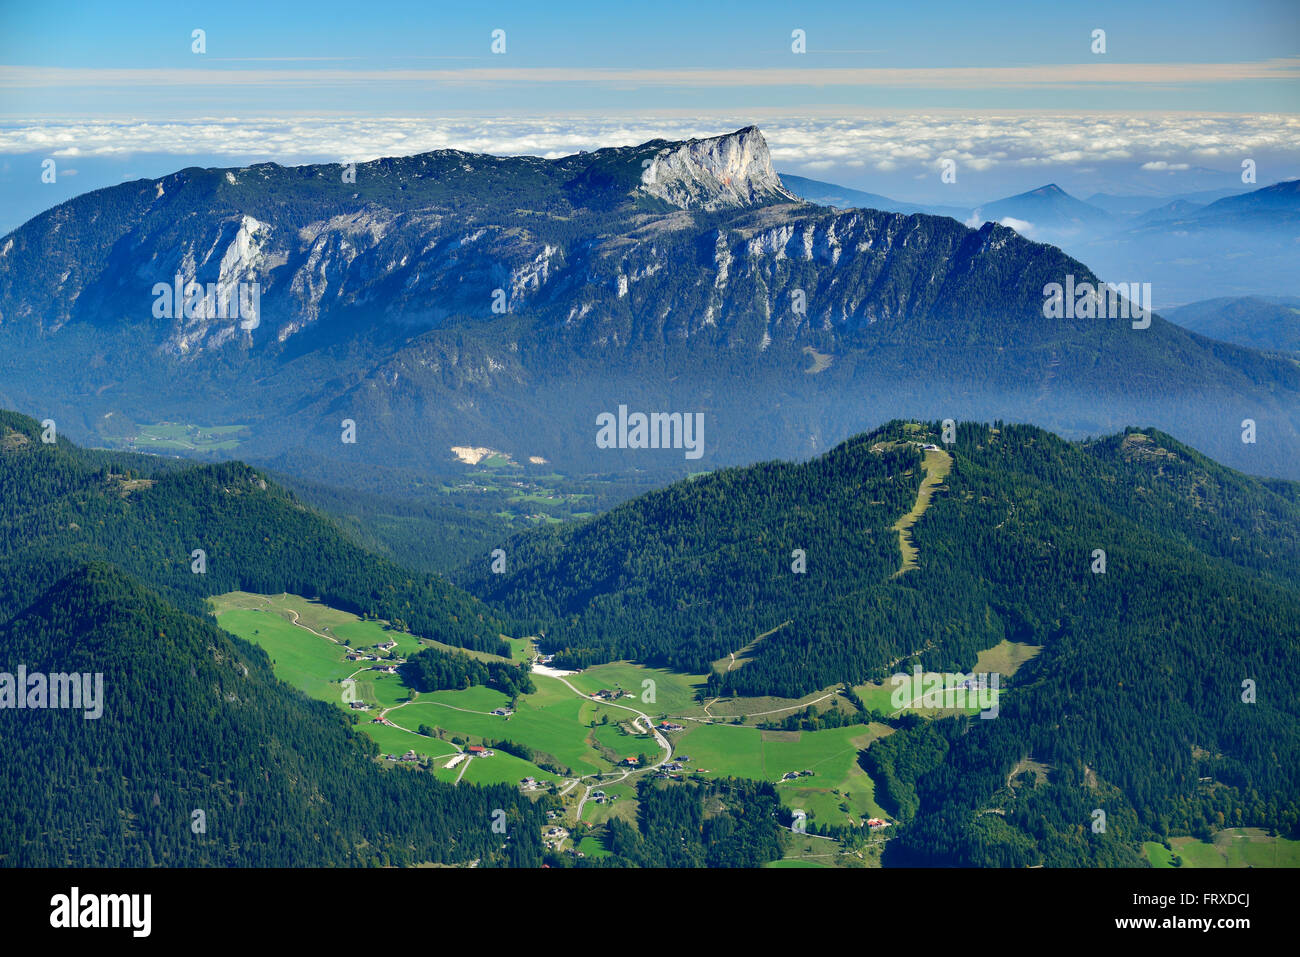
x=61, y=505
x=432, y=669
x=194, y=719
x=725, y=823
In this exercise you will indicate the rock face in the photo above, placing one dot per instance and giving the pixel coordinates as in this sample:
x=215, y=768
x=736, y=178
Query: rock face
x=715, y=173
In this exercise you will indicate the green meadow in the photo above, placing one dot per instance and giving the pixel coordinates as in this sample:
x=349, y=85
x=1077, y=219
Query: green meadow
x=561, y=727
x=1006, y=657
x=552, y=721
x=1231, y=847
x=317, y=665
x=503, y=768
x=838, y=791
x=673, y=693
x=311, y=664
x=478, y=698
x=174, y=436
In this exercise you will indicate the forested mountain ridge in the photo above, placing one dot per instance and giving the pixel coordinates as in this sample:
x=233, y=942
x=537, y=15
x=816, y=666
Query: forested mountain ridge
x=1137, y=702
x=61, y=506
x=451, y=298
x=202, y=758
x=685, y=575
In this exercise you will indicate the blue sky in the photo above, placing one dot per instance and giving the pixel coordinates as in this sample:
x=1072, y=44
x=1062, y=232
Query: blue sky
x=114, y=91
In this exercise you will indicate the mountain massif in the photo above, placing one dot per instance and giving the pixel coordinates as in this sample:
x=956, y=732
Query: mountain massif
x=454, y=299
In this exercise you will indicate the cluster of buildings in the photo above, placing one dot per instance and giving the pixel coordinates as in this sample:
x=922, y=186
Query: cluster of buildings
x=605, y=694
x=791, y=775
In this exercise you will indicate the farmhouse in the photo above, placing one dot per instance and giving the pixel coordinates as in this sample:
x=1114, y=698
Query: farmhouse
x=669, y=726
x=478, y=751
x=630, y=762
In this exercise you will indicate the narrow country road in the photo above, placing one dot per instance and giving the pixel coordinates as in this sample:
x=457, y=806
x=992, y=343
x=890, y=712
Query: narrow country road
x=659, y=739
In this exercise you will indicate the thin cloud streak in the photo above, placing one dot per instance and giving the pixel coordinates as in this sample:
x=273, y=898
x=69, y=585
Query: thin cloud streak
x=1061, y=74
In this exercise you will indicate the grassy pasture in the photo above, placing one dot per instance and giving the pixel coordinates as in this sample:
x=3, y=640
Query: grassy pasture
x=1006, y=657
x=1231, y=847
x=673, y=692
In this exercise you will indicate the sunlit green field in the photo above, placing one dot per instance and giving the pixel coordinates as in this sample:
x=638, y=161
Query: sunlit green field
x=560, y=726
x=316, y=665
x=312, y=664
x=479, y=699
x=672, y=693
x=1231, y=847
x=832, y=756
x=503, y=768
x=174, y=436
x=552, y=721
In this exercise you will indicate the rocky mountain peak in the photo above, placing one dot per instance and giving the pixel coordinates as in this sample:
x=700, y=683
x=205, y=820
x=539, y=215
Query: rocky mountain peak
x=719, y=172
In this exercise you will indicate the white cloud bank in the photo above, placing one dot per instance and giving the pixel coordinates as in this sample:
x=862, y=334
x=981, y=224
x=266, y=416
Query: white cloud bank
x=885, y=141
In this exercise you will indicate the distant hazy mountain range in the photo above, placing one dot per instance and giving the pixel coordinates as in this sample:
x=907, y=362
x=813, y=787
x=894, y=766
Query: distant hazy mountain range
x=454, y=299
x=1189, y=247
x=1261, y=322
